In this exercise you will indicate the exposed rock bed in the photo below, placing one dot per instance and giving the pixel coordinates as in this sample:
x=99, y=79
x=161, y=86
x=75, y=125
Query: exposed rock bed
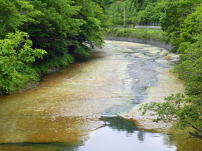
x=156, y=94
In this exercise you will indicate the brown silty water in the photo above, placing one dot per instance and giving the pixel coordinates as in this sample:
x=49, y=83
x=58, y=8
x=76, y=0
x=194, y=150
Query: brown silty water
x=65, y=109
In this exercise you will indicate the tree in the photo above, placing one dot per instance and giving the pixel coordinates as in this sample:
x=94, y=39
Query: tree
x=186, y=110
x=16, y=60
x=66, y=29
x=175, y=12
x=14, y=14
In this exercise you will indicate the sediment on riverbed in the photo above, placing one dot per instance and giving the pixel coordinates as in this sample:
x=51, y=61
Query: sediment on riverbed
x=157, y=93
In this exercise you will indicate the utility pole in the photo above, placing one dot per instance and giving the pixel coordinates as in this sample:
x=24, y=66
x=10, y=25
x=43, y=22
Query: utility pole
x=124, y=17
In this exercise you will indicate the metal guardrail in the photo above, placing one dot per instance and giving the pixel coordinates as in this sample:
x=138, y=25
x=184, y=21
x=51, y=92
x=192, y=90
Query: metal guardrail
x=149, y=27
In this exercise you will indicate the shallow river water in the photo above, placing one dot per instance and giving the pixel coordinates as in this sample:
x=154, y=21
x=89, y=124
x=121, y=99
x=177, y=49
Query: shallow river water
x=78, y=108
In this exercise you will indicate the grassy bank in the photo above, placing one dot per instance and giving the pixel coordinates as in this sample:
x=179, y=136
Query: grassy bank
x=147, y=34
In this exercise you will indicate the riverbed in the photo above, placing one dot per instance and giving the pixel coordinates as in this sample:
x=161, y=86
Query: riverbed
x=83, y=107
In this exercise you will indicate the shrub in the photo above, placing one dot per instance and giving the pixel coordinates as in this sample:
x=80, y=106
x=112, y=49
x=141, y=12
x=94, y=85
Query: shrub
x=16, y=60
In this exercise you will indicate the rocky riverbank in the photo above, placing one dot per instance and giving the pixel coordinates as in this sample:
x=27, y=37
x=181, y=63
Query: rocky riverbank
x=156, y=94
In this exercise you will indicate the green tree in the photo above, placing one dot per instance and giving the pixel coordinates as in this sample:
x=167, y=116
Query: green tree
x=16, y=61
x=192, y=26
x=186, y=110
x=56, y=26
x=175, y=12
x=66, y=29
x=15, y=13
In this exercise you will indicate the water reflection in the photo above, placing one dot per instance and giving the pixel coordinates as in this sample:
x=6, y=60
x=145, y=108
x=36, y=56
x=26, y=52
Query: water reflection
x=119, y=134
x=115, y=134
x=44, y=129
x=120, y=124
x=141, y=136
x=186, y=143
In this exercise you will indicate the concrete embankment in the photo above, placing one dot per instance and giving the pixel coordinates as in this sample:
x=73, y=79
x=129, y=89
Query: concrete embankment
x=142, y=41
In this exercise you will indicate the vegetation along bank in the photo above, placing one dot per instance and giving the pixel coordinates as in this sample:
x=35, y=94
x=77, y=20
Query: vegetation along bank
x=38, y=35
x=181, y=22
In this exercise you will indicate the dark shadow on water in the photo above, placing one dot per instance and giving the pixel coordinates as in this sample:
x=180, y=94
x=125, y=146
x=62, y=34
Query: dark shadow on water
x=119, y=124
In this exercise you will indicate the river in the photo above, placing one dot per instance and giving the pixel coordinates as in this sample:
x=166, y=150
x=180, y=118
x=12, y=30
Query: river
x=79, y=108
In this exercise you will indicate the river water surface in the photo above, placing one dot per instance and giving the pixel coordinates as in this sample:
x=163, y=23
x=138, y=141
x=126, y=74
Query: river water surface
x=78, y=108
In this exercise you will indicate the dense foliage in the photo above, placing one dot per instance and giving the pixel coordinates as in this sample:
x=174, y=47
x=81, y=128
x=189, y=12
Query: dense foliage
x=16, y=58
x=40, y=34
x=135, y=12
x=186, y=35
